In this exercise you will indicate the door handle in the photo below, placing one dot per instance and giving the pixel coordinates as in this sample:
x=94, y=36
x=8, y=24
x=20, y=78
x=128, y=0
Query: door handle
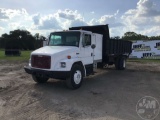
x=92, y=54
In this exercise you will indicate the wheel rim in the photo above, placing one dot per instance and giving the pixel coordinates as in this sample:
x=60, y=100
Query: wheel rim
x=124, y=63
x=77, y=77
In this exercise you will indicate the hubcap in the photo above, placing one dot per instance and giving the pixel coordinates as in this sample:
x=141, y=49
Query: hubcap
x=77, y=77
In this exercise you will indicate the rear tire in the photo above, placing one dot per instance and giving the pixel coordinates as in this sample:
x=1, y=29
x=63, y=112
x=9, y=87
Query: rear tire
x=39, y=79
x=120, y=63
x=76, y=77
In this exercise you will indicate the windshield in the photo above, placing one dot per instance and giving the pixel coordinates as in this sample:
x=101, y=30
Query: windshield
x=64, y=39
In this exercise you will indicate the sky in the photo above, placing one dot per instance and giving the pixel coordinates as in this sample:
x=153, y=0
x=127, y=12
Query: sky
x=45, y=16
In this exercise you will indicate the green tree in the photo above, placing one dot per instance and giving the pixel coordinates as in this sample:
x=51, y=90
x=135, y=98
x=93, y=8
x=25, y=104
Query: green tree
x=130, y=36
x=116, y=37
x=18, y=39
x=36, y=36
x=154, y=38
x=134, y=36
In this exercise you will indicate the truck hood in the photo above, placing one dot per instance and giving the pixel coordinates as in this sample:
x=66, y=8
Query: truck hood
x=50, y=50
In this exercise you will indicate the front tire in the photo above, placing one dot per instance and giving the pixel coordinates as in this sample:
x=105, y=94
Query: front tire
x=76, y=77
x=40, y=79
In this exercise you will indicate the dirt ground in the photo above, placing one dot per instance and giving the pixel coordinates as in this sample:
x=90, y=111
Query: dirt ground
x=107, y=95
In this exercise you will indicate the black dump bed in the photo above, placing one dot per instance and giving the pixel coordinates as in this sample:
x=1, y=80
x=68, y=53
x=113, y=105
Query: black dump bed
x=110, y=46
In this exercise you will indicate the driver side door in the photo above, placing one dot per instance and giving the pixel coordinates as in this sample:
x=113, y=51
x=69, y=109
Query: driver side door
x=86, y=50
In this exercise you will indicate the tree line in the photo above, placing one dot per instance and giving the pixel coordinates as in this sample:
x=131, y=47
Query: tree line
x=21, y=39
x=24, y=40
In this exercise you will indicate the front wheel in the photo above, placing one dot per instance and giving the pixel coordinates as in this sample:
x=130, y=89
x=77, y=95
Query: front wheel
x=40, y=79
x=76, y=77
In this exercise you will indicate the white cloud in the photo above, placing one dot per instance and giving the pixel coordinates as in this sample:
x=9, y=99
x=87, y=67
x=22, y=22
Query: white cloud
x=12, y=19
x=78, y=22
x=13, y=25
x=92, y=12
x=107, y=19
x=116, y=31
x=93, y=22
x=1, y=28
x=63, y=19
x=142, y=19
x=46, y=22
x=3, y=14
x=49, y=22
x=69, y=18
x=10, y=13
x=36, y=19
x=69, y=14
x=147, y=8
x=152, y=31
x=157, y=20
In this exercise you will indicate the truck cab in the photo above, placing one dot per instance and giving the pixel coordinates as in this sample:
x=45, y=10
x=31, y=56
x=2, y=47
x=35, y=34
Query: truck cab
x=69, y=55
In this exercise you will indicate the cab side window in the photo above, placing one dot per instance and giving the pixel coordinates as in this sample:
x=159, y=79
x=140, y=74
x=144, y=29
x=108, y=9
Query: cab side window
x=87, y=39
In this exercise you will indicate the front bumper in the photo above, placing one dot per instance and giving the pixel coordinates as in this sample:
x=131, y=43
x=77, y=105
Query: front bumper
x=49, y=74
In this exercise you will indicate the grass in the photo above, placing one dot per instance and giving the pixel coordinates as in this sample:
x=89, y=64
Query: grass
x=25, y=55
x=144, y=60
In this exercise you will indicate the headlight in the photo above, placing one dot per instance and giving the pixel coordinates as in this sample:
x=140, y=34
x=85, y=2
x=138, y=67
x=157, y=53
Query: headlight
x=63, y=64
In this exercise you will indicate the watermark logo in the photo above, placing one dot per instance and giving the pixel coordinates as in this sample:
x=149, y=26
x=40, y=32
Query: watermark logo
x=148, y=108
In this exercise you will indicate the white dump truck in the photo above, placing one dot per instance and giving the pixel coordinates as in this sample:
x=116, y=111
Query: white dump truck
x=72, y=55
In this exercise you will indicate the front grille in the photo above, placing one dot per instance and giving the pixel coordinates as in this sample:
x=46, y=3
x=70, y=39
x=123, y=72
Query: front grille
x=41, y=61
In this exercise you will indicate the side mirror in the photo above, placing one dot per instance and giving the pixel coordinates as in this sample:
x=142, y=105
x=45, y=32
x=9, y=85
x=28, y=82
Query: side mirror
x=93, y=46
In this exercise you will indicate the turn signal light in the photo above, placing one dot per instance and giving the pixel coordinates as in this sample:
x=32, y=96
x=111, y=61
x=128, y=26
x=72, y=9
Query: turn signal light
x=69, y=57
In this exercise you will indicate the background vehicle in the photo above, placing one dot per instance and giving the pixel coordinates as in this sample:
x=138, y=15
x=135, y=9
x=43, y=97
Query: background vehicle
x=71, y=55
